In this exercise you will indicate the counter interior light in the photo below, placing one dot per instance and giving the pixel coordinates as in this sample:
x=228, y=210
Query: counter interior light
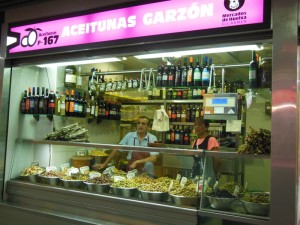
x=178, y=54
x=81, y=62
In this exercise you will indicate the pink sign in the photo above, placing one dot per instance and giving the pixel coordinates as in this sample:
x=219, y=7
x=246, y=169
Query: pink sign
x=165, y=17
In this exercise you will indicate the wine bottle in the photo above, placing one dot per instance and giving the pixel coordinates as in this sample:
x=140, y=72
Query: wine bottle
x=177, y=79
x=205, y=72
x=76, y=103
x=160, y=70
x=164, y=81
x=178, y=111
x=190, y=73
x=92, y=103
x=36, y=101
x=27, y=103
x=51, y=103
x=172, y=135
x=23, y=103
x=253, y=71
x=45, y=102
x=96, y=108
x=67, y=102
x=184, y=70
x=62, y=104
x=177, y=136
x=31, y=101
x=84, y=105
x=70, y=76
x=72, y=103
x=57, y=104
x=41, y=101
x=80, y=105
x=171, y=75
x=197, y=73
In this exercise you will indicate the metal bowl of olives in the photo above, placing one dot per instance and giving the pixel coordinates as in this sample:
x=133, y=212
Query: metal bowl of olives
x=257, y=203
x=124, y=192
x=221, y=203
x=154, y=196
x=72, y=183
x=99, y=188
x=185, y=201
x=53, y=181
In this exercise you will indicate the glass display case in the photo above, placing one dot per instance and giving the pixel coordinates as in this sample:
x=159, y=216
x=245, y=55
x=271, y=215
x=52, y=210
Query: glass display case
x=52, y=153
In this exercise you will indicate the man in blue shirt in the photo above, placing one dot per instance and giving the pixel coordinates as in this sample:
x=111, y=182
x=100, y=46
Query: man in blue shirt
x=137, y=160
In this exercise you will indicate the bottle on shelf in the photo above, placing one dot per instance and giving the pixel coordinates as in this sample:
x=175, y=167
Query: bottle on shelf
x=31, y=101
x=205, y=72
x=41, y=100
x=88, y=108
x=165, y=79
x=181, y=135
x=173, y=114
x=79, y=79
x=72, y=104
x=80, y=105
x=62, y=104
x=159, y=77
x=96, y=108
x=76, y=103
x=57, y=104
x=188, y=113
x=172, y=135
x=184, y=70
x=51, y=103
x=253, y=71
x=193, y=113
x=27, y=102
x=36, y=101
x=177, y=135
x=23, y=102
x=186, y=136
x=45, y=102
x=168, y=137
x=178, y=111
x=84, y=105
x=183, y=116
x=197, y=81
x=190, y=73
x=67, y=102
x=177, y=79
x=171, y=75
x=70, y=76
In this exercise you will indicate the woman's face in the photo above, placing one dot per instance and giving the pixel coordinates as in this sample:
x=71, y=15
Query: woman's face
x=200, y=129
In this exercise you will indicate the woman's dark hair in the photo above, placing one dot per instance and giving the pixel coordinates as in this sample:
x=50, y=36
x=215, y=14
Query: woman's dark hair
x=201, y=120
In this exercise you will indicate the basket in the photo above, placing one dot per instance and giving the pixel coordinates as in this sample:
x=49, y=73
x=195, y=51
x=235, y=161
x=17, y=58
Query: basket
x=80, y=161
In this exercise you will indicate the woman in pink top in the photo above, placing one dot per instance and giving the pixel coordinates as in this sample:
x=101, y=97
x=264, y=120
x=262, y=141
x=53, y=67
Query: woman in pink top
x=207, y=142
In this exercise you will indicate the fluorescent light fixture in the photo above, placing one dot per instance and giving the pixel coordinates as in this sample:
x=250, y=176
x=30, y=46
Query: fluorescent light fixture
x=200, y=51
x=90, y=61
x=10, y=40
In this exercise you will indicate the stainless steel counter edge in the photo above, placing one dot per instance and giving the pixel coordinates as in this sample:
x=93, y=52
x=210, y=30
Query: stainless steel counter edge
x=166, y=150
x=96, y=207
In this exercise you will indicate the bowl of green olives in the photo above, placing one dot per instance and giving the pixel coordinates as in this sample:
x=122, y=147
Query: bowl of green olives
x=257, y=203
x=154, y=192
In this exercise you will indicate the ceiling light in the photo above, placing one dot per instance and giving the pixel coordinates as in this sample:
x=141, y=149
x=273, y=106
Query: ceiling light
x=178, y=54
x=90, y=61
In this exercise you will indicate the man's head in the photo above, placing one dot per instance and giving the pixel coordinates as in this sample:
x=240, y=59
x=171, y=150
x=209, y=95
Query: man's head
x=143, y=123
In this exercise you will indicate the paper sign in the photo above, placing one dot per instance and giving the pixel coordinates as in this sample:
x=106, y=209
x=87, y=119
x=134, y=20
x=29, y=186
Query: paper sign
x=233, y=126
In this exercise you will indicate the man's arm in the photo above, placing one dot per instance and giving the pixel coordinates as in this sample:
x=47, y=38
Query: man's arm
x=111, y=156
x=152, y=158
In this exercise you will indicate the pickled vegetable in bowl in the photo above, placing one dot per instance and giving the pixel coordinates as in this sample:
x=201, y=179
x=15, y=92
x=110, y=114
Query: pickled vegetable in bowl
x=187, y=191
x=33, y=170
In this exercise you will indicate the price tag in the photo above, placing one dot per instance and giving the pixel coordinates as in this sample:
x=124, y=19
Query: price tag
x=216, y=185
x=236, y=191
x=64, y=166
x=183, y=182
x=171, y=185
x=118, y=178
x=130, y=175
x=178, y=177
x=94, y=174
x=51, y=168
x=72, y=171
x=84, y=170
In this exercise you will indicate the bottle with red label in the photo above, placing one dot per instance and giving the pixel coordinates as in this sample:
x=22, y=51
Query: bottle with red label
x=51, y=103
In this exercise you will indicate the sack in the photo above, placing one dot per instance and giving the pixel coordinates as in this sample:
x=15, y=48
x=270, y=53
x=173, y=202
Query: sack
x=161, y=120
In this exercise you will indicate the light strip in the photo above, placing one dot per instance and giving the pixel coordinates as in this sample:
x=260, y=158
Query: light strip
x=200, y=51
x=90, y=61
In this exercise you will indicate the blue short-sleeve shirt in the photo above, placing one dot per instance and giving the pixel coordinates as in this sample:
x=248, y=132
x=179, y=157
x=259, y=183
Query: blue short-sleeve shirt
x=132, y=139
